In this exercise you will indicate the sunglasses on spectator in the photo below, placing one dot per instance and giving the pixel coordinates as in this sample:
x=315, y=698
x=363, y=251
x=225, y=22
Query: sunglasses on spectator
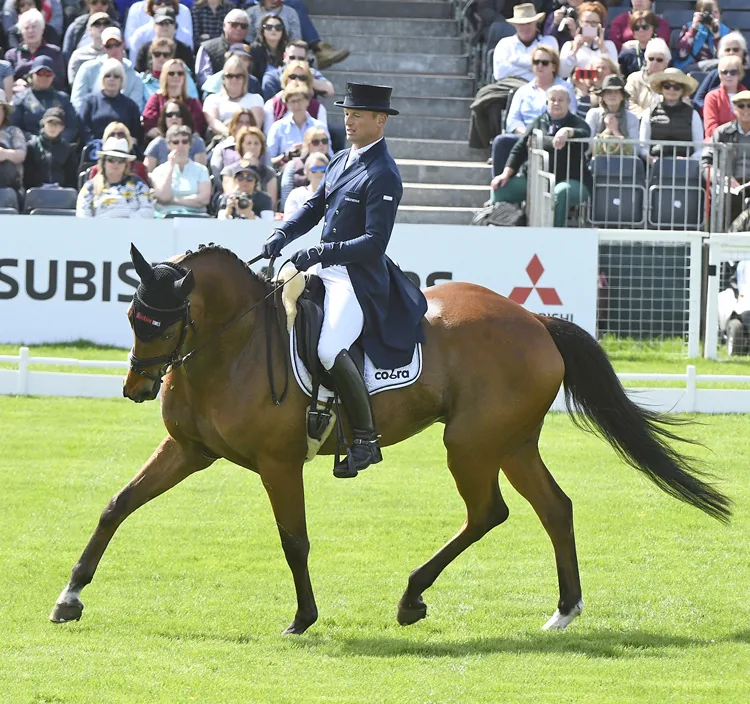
x=167, y=20
x=730, y=72
x=114, y=160
x=244, y=176
x=172, y=74
x=273, y=27
x=742, y=106
x=541, y=62
x=44, y=72
x=668, y=85
x=637, y=27
x=238, y=25
x=234, y=75
x=112, y=44
x=657, y=59
x=180, y=141
x=172, y=115
x=318, y=142
x=161, y=54
x=162, y=2
x=318, y=169
x=297, y=77
x=101, y=23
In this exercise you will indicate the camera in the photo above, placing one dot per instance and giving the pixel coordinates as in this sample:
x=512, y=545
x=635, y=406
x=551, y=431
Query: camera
x=707, y=17
x=570, y=12
x=244, y=201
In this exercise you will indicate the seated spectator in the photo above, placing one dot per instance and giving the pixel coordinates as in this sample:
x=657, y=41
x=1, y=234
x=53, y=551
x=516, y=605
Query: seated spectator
x=76, y=35
x=115, y=192
x=699, y=39
x=512, y=55
x=174, y=112
x=109, y=104
x=268, y=46
x=245, y=200
x=732, y=44
x=286, y=135
x=633, y=54
x=275, y=108
x=260, y=13
x=50, y=158
x=638, y=85
x=529, y=102
x=738, y=158
x=161, y=51
x=51, y=12
x=296, y=51
x=211, y=56
x=219, y=107
x=13, y=35
x=141, y=13
x=163, y=26
x=251, y=148
x=612, y=119
x=120, y=131
x=30, y=106
x=718, y=109
x=88, y=78
x=294, y=176
x=208, y=19
x=671, y=118
x=31, y=25
x=180, y=184
x=561, y=24
x=97, y=23
x=315, y=169
x=588, y=42
x=12, y=148
x=558, y=125
x=225, y=152
x=172, y=86
x=214, y=82
x=621, y=27
x=585, y=87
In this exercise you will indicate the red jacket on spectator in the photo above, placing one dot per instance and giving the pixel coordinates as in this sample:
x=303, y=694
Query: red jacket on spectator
x=155, y=104
x=620, y=32
x=718, y=110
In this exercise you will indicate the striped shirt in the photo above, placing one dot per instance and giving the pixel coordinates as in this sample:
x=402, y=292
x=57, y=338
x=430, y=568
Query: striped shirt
x=208, y=24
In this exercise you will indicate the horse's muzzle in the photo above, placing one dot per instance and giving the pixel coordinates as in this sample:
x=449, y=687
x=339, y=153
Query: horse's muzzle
x=140, y=389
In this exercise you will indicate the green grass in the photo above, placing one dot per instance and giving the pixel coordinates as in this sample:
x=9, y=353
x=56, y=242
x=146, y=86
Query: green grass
x=190, y=598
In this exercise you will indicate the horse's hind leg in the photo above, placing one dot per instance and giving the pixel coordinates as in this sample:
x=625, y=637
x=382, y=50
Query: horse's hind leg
x=476, y=480
x=528, y=474
x=168, y=466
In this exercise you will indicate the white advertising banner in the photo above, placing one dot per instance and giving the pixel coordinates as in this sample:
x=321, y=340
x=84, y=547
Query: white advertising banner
x=64, y=279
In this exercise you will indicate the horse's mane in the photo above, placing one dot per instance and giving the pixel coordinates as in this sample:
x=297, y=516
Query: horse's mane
x=212, y=248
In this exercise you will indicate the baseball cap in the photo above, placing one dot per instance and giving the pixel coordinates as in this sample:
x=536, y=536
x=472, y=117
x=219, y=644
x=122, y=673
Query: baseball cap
x=42, y=63
x=164, y=14
x=98, y=16
x=240, y=167
x=111, y=33
x=239, y=49
x=54, y=114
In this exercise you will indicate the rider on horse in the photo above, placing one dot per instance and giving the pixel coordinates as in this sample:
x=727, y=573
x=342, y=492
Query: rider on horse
x=366, y=293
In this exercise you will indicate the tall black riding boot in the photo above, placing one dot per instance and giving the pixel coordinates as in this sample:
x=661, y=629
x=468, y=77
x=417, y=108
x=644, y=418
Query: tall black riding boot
x=353, y=392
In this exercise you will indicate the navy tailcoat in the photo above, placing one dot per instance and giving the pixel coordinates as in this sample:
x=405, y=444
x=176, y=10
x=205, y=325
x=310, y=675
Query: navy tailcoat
x=359, y=205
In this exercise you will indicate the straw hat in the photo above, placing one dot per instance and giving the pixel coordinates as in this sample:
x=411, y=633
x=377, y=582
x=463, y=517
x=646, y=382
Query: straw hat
x=118, y=147
x=525, y=14
x=673, y=75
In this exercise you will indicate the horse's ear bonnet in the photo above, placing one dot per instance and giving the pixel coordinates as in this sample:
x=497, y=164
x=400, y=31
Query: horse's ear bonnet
x=161, y=298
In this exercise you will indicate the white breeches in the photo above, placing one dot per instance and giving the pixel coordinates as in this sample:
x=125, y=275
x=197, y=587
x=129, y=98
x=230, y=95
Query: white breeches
x=343, y=320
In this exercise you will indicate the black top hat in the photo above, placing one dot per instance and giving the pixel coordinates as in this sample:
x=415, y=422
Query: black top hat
x=361, y=96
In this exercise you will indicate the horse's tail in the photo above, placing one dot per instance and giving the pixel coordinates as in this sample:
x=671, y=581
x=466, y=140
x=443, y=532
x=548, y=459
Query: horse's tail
x=597, y=402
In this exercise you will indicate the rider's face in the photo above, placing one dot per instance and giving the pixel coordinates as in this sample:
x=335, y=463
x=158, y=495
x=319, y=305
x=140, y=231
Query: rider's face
x=364, y=126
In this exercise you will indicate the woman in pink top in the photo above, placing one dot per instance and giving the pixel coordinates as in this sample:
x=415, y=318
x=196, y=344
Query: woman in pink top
x=718, y=109
x=172, y=86
x=620, y=31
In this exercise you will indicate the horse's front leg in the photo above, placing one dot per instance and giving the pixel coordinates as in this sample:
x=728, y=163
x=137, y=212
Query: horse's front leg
x=169, y=465
x=283, y=483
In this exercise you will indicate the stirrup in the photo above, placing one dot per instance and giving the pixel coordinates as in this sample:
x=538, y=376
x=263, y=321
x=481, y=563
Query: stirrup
x=364, y=451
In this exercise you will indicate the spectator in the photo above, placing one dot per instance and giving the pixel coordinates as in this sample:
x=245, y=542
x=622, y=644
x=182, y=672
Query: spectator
x=275, y=108
x=180, y=185
x=172, y=85
x=87, y=78
x=163, y=26
x=699, y=39
x=31, y=25
x=315, y=169
x=558, y=125
x=265, y=10
x=512, y=55
x=250, y=147
x=671, y=118
x=586, y=87
x=50, y=36
x=214, y=82
x=141, y=13
x=529, y=102
x=51, y=11
x=120, y=131
x=612, y=119
x=732, y=44
x=588, y=42
x=115, y=192
x=6, y=76
x=212, y=54
x=76, y=35
x=633, y=53
x=161, y=51
x=638, y=85
x=174, y=112
x=208, y=19
x=296, y=51
x=12, y=148
x=718, y=109
x=294, y=176
x=561, y=24
x=109, y=104
x=285, y=138
x=50, y=158
x=97, y=23
x=268, y=47
x=219, y=107
x=245, y=201
x=621, y=27
x=225, y=152
x=32, y=104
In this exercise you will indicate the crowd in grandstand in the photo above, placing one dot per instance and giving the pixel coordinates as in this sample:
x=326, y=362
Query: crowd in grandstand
x=159, y=108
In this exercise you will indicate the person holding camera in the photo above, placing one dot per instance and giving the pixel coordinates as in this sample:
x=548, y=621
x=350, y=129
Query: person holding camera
x=246, y=201
x=699, y=40
x=561, y=22
x=588, y=41
x=621, y=29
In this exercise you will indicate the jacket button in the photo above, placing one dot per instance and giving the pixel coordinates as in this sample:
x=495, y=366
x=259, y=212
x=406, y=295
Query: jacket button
x=325, y=223
x=334, y=229
x=327, y=206
x=337, y=212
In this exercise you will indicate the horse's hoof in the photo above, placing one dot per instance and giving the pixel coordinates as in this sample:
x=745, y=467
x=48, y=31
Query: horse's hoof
x=560, y=622
x=300, y=625
x=409, y=613
x=67, y=611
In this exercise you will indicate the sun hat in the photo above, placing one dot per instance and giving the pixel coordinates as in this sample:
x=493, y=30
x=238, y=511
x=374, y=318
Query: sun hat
x=673, y=75
x=111, y=33
x=98, y=16
x=525, y=13
x=613, y=82
x=117, y=146
x=741, y=96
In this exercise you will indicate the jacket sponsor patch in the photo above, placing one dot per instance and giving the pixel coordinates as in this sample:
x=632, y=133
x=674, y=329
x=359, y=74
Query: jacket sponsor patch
x=387, y=197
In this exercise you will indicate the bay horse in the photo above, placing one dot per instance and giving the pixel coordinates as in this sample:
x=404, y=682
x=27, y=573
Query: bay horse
x=491, y=372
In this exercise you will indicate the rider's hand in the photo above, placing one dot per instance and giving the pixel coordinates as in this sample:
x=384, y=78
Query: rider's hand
x=273, y=245
x=306, y=258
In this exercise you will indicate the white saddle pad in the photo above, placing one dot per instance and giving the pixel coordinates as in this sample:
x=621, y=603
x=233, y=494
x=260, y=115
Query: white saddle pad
x=377, y=380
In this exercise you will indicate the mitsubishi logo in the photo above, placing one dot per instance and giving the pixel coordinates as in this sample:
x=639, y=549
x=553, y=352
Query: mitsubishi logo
x=521, y=293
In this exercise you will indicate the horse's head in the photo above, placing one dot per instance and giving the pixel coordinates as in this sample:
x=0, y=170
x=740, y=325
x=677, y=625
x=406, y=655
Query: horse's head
x=160, y=318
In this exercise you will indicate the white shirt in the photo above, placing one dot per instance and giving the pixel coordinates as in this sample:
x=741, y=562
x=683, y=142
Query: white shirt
x=355, y=153
x=227, y=107
x=513, y=58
